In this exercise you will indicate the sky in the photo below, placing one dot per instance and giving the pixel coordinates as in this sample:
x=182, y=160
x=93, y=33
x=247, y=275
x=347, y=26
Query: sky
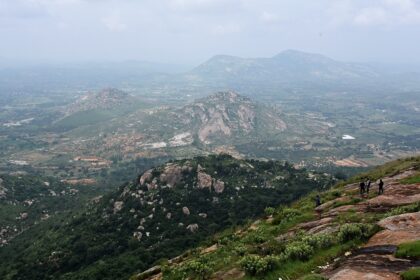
x=191, y=31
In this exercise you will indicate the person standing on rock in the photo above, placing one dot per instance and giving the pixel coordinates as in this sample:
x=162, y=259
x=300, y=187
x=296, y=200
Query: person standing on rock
x=317, y=200
x=368, y=186
x=381, y=186
x=362, y=187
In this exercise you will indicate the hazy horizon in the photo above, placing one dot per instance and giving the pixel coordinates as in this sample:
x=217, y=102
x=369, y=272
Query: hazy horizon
x=188, y=32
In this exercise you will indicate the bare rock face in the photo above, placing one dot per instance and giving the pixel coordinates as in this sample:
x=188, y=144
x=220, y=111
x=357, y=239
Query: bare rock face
x=204, y=180
x=146, y=177
x=23, y=216
x=193, y=227
x=348, y=273
x=219, y=186
x=138, y=235
x=172, y=175
x=316, y=223
x=397, y=194
x=215, y=124
x=185, y=210
x=152, y=185
x=398, y=229
x=118, y=205
x=375, y=262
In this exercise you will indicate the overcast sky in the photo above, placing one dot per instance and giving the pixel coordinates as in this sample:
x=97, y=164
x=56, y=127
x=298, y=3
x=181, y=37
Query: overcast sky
x=190, y=31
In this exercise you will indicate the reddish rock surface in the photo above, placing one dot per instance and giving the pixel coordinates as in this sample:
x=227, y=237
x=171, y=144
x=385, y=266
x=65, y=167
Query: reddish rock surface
x=398, y=229
x=351, y=274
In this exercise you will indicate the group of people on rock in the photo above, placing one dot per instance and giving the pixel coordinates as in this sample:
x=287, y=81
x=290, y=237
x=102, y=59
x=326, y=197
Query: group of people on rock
x=365, y=186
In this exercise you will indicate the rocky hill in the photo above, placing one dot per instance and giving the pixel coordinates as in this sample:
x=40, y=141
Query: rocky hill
x=105, y=99
x=167, y=210
x=349, y=236
x=223, y=117
x=95, y=108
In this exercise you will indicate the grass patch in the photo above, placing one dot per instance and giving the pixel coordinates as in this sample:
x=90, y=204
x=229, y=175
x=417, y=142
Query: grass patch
x=314, y=277
x=409, y=250
x=295, y=269
x=415, y=179
x=412, y=274
x=388, y=169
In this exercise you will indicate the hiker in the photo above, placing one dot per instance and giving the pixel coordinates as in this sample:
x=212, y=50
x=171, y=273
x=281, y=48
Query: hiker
x=368, y=185
x=317, y=200
x=362, y=187
x=381, y=187
x=318, y=203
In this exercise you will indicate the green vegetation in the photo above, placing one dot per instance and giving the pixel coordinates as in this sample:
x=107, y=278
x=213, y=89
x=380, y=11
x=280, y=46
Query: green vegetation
x=257, y=265
x=273, y=248
x=314, y=277
x=411, y=274
x=388, y=169
x=133, y=228
x=415, y=179
x=409, y=250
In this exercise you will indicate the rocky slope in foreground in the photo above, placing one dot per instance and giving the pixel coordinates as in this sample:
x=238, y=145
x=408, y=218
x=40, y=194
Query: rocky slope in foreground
x=348, y=237
x=166, y=211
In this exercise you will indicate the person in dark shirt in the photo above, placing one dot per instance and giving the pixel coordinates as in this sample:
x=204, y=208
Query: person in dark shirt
x=368, y=186
x=317, y=200
x=381, y=186
x=362, y=187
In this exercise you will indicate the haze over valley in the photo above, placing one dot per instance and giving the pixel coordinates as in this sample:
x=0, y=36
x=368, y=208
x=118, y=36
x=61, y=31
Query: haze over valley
x=196, y=139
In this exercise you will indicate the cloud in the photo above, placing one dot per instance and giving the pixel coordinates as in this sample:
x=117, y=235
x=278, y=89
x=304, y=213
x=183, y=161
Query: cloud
x=22, y=9
x=371, y=16
x=226, y=29
x=269, y=17
x=374, y=13
x=113, y=22
x=206, y=6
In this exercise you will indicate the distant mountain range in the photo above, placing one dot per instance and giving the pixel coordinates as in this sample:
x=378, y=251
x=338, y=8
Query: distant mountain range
x=289, y=70
x=287, y=67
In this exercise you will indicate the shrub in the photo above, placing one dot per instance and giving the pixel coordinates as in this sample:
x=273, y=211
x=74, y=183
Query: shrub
x=415, y=207
x=257, y=265
x=286, y=215
x=298, y=250
x=198, y=269
x=319, y=241
x=240, y=249
x=195, y=269
x=412, y=274
x=349, y=232
x=256, y=236
x=269, y=211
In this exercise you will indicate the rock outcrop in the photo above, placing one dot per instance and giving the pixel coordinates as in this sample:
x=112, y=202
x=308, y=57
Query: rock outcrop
x=172, y=174
x=185, y=210
x=219, y=186
x=193, y=227
x=118, y=205
x=146, y=177
x=204, y=180
x=398, y=229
